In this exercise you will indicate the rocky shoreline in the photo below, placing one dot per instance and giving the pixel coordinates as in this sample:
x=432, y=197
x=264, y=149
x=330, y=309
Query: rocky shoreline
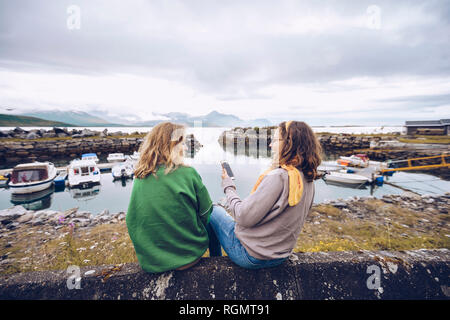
x=19, y=145
x=42, y=237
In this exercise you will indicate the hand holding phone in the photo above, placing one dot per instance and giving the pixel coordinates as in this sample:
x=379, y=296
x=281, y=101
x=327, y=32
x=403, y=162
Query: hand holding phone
x=227, y=168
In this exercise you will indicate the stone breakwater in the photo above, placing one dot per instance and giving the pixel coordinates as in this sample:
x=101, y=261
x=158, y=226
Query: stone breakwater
x=12, y=152
x=68, y=145
x=329, y=142
x=416, y=274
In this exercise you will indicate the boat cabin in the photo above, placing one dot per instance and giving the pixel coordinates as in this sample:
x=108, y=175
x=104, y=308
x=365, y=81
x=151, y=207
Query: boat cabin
x=29, y=173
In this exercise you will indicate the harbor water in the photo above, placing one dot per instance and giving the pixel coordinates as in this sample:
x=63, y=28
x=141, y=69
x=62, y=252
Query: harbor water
x=246, y=165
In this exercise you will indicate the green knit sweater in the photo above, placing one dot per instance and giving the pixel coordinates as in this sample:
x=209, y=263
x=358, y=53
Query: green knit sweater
x=166, y=219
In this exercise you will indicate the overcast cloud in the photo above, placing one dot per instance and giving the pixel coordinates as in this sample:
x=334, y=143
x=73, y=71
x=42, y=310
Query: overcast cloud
x=326, y=62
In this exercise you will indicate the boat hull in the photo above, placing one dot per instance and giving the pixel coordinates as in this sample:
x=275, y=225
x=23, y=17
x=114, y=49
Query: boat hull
x=346, y=178
x=31, y=188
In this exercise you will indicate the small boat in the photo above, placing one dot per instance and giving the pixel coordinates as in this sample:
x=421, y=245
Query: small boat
x=90, y=156
x=123, y=170
x=83, y=174
x=361, y=160
x=326, y=166
x=4, y=180
x=32, y=177
x=135, y=156
x=60, y=180
x=116, y=157
x=344, y=177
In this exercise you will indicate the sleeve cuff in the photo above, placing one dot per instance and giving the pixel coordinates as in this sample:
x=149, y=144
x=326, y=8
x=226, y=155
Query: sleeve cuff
x=227, y=182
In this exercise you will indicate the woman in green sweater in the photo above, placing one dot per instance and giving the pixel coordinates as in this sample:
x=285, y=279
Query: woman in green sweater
x=169, y=208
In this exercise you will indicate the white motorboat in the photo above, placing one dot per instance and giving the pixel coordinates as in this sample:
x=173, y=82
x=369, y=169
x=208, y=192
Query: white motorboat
x=330, y=166
x=32, y=177
x=116, y=157
x=123, y=170
x=83, y=173
x=360, y=160
x=89, y=156
x=135, y=156
x=348, y=178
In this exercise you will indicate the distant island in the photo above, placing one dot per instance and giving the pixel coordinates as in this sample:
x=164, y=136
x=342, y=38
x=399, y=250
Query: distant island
x=8, y=120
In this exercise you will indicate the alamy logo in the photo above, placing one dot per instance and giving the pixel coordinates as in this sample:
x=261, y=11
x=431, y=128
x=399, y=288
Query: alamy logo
x=373, y=17
x=374, y=280
x=74, y=18
x=74, y=280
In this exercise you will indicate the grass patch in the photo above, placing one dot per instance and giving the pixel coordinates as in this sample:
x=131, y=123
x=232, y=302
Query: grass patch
x=383, y=226
x=426, y=139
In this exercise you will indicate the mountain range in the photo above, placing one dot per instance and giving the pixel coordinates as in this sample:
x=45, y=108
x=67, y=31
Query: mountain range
x=94, y=119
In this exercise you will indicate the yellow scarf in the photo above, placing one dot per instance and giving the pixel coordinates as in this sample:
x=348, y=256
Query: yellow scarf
x=295, y=184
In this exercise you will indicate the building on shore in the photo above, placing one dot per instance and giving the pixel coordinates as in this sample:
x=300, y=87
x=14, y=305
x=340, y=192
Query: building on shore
x=428, y=127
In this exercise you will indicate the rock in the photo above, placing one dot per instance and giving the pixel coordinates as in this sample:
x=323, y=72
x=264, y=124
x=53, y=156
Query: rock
x=82, y=214
x=19, y=130
x=25, y=218
x=82, y=222
x=12, y=225
x=340, y=205
x=11, y=213
x=104, y=213
x=49, y=135
x=87, y=133
x=37, y=221
x=46, y=214
x=32, y=135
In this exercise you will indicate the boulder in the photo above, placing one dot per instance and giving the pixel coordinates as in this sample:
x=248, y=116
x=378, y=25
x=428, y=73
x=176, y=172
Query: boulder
x=11, y=214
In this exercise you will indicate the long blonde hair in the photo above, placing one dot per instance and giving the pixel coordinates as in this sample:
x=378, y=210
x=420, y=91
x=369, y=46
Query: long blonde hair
x=161, y=146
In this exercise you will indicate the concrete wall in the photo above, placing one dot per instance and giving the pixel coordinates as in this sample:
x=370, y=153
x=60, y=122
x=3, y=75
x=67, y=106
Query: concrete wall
x=421, y=274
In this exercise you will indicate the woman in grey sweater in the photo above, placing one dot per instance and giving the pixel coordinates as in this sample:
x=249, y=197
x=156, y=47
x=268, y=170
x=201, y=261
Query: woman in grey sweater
x=263, y=228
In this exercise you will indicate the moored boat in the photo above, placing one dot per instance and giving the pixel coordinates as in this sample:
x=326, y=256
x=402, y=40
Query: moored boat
x=347, y=178
x=116, y=157
x=361, y=160
x=32, y=177
x=135, y=156
x=90, y=156
x=83, y=174
x=123, y=170
x=327, y=166
x=4, y=180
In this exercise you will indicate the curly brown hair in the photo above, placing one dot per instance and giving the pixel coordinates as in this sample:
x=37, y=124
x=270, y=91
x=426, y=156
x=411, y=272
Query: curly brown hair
x=300, y=148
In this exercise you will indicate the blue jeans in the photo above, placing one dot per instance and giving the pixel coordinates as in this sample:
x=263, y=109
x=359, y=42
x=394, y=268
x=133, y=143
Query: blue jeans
x=223, y=225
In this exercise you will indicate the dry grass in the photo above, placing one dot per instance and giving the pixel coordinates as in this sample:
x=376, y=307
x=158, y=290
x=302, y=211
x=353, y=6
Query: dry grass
x=383, y=227
x=426, y=139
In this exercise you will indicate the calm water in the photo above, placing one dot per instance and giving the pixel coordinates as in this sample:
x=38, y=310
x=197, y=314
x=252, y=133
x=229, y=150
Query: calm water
x=114, y=196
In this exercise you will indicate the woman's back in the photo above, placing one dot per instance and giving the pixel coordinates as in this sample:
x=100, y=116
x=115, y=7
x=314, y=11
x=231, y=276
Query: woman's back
x=166, y=219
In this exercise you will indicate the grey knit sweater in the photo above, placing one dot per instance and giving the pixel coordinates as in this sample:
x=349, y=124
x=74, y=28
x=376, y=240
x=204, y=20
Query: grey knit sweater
x=266, y=225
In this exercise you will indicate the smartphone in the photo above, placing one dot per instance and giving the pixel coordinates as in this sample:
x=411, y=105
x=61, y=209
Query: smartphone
x=226, y=166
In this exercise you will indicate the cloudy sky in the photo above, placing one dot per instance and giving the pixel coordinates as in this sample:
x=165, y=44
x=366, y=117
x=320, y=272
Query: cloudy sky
x=324, y=62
